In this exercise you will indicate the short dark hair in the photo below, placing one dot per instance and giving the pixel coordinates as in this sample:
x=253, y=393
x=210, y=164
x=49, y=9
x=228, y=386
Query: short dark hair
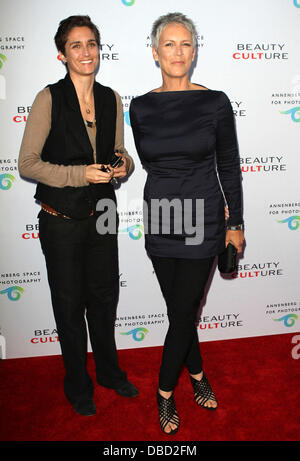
x=66, y=25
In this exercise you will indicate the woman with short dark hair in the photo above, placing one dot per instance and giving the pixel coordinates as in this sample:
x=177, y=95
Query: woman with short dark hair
x=73, y=130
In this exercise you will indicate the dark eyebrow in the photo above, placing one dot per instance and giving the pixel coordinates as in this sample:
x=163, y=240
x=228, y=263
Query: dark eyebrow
x=78, y=41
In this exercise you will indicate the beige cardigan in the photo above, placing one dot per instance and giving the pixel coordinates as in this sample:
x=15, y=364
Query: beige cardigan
x=37, y=128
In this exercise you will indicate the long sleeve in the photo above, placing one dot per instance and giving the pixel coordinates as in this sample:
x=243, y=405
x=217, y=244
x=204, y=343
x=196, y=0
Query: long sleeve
x=119, y=139
x=36, y=132
x=228, y=162
x=136, y=132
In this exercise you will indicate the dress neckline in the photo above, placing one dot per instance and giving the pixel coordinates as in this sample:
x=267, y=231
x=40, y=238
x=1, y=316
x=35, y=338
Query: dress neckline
x=181, y=91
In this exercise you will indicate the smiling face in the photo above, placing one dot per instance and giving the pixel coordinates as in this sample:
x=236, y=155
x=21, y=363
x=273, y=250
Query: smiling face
x=81, y=52
x=175, y=51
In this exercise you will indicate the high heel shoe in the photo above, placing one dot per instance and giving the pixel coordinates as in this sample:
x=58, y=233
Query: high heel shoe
x=203, y=392
x=167, y=413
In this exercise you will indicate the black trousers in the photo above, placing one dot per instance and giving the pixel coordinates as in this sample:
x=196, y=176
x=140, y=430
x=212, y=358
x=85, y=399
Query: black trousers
x=83, y=276
x=182, y=282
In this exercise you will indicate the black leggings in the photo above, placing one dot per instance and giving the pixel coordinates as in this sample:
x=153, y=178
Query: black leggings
x=182, y=282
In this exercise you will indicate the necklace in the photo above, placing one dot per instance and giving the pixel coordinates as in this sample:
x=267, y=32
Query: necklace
x=91, y=125
x=87, y=107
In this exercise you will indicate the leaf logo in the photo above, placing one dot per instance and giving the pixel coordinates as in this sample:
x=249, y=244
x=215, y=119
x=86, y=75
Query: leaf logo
x=126, y=117
x=13, y=293
x=128, y=2
x=2, y=60
x=6, y=181
x=293, y=222
x=138, y=334
x=135, y=232
x=294, y=113
x=288, y=320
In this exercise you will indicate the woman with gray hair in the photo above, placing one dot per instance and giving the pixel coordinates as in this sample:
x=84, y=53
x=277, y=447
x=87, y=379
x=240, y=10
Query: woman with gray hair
x=185, y=138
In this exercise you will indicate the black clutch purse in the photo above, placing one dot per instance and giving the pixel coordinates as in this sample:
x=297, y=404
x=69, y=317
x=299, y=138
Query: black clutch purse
x=227, y=259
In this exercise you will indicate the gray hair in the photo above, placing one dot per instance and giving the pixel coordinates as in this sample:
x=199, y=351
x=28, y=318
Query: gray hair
x=172, y=18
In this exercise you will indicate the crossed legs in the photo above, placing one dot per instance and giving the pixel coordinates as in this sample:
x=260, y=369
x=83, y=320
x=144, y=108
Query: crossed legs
x=182, y=282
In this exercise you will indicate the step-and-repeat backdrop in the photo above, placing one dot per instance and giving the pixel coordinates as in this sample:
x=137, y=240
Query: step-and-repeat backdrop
x=250, y=50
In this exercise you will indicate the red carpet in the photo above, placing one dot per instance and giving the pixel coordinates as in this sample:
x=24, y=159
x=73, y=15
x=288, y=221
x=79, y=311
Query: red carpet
x=256, y=381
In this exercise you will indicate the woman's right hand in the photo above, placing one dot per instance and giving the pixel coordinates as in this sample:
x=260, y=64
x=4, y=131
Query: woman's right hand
x=94, y=174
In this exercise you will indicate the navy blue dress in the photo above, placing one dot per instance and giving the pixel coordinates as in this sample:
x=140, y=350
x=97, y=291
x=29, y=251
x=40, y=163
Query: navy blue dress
x=186, y=141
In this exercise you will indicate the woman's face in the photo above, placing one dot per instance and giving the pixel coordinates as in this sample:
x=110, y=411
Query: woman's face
x=81, y=51
x=175, y=51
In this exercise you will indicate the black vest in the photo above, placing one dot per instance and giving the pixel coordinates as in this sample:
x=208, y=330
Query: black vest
x=68, y=144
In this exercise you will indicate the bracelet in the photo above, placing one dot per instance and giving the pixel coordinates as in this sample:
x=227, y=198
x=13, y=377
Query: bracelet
x=237, y=227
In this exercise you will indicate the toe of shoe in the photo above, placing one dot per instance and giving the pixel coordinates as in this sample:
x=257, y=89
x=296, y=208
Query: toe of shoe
x=85, y=408
x=127, y=390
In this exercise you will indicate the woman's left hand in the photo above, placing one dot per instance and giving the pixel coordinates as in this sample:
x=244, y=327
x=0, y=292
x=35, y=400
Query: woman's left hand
x=236, y=238
x=121, y=171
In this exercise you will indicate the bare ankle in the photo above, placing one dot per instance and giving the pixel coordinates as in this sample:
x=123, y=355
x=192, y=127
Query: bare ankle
x=165, y=394
x=198, y=376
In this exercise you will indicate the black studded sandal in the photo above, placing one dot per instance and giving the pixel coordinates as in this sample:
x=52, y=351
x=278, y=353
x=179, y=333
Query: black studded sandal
x=203, y=392
x=167, y=413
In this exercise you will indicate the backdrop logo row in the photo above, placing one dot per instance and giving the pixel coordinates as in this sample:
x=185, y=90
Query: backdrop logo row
x=45, y=336
x=14, y=283
x=263, y=164
x=289, y=98
x=284, y=313
x=288, y=211
x=260, y=51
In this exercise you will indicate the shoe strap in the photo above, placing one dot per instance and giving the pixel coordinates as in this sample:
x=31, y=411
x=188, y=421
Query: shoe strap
x=167, y=410
x=202, y=390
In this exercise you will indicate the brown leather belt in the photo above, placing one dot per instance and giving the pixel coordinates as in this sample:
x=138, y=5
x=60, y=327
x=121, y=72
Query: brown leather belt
x=50, y=210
